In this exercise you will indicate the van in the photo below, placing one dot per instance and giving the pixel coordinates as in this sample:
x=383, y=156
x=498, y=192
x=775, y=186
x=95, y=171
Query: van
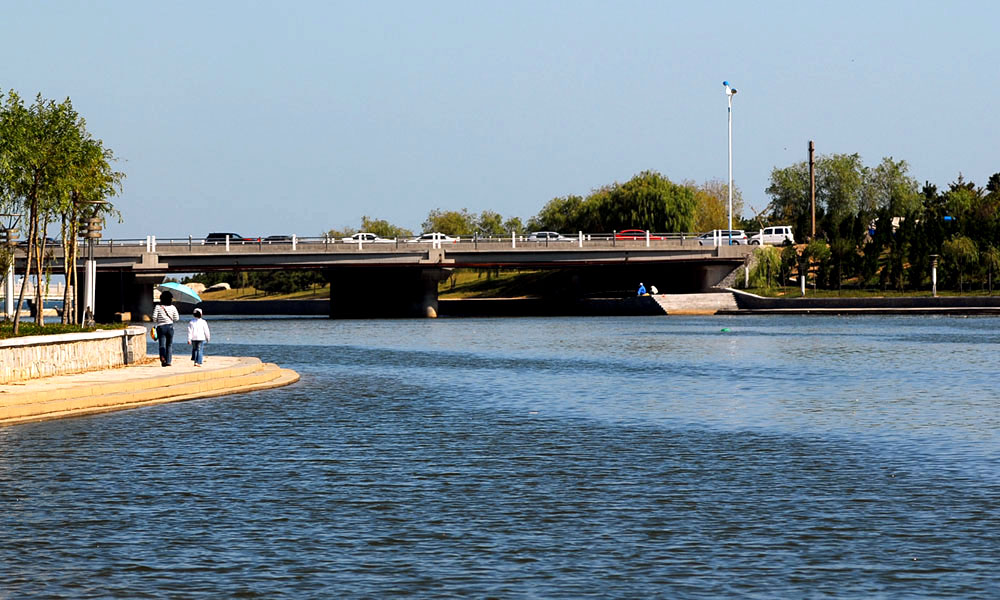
x=779, y=234
x=721, y=237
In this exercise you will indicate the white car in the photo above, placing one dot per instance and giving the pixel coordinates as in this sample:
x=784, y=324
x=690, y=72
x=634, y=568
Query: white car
x=720, y=237
x=548, y=236
x=433, y=236
x=779, y=234
x=368, y=238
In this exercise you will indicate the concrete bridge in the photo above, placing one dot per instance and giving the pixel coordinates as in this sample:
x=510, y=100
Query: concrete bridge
x=401, y=278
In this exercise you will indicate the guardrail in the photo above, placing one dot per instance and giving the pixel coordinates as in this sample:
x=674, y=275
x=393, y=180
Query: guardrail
x=630, y=238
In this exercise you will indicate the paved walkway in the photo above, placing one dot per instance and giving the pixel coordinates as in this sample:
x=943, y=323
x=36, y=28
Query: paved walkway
x=137, y=385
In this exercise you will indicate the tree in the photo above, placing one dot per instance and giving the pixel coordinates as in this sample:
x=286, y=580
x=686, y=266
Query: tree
x=991, y=260
x=36, y=142
x=766, y=264
x=50, y=166
x=839, y=188
x=888, y=186
x=712, y=205
x=489, y=223
x=450, y=222
x=961, y=252
x=383, y=228
x=819, y=252
x=559, y=214
x=647, y=201
x=91, y=181
x=789, y=192
x=513, y=224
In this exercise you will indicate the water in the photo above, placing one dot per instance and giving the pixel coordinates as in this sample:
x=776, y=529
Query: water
x=546, y=458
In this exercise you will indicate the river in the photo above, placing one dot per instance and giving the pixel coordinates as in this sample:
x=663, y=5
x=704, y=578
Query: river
x=634, y=457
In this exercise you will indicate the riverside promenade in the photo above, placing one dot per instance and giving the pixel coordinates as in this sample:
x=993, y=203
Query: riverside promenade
x=133, y=386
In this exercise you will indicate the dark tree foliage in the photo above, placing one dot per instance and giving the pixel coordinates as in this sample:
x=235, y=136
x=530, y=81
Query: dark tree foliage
x=647, y=201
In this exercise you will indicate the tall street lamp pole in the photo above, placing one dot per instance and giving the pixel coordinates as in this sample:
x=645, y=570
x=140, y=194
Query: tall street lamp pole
x=9, y=235
x=730, y=92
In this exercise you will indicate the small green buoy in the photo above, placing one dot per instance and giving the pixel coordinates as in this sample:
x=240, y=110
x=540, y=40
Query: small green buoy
x=725, y=330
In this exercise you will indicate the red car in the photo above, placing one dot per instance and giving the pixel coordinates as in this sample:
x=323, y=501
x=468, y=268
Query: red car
x=635, y=234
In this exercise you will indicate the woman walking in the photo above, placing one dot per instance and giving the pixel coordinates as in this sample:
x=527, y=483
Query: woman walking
x=164, y=316
x=198, y=336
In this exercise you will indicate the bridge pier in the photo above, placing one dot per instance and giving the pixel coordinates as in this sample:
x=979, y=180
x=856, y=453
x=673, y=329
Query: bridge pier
x=124, y=291
x=398, y=292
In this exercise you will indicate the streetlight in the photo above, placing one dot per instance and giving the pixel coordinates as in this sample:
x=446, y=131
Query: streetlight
x=93, y=232
x=730, y=92
x=10, y=240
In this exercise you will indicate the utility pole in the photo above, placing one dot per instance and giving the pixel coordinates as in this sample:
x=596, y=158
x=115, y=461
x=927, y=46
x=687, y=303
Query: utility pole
x=812, y=185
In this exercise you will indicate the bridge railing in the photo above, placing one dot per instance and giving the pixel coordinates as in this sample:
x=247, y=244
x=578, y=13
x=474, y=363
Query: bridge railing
x=629, y=238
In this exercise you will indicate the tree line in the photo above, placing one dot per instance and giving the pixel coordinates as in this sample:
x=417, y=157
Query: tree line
x=877, y=227
x=648, y=200
x=52, y=171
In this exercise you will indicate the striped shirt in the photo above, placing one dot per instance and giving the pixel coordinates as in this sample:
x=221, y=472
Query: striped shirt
x=165, y=315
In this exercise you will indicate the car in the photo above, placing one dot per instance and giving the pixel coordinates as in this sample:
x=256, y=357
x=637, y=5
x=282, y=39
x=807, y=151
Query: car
x=433, y=236
x=720, y=237
x=548, y=236
x=635, y=234
x=777, y=234
x=278, y=239
x=220, y=238
x=368, y=238
x=48, y=242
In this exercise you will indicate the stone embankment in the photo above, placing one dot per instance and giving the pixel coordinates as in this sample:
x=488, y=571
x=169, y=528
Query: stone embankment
x=35, y=356
x=696, y=304
x=135, y=386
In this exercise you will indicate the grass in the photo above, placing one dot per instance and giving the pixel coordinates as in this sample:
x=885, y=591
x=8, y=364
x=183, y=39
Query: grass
x=29, y=328
x=250, y=293
x=476, y=283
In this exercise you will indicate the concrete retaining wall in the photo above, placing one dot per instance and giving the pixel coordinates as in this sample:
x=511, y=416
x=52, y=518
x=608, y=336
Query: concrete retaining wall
x=958, y=304
x=37, y=356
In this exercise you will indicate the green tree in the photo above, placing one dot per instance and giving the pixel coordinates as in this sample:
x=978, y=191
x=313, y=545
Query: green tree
x=712, y=205
x=962, y=253
x=92, y=180
x=818, y=251
x=383, y=228
x=513, y=224
x=38, y=144
x=490, y=224
x=559, y=214
x=839, y=189
x=766, y=266
x=450, y=222
x=991, y=261
x=789, y=192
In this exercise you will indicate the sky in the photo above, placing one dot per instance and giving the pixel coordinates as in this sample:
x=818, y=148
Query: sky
x=266, y=118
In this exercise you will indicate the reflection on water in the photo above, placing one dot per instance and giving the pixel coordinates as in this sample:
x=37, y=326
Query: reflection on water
x=613, y=457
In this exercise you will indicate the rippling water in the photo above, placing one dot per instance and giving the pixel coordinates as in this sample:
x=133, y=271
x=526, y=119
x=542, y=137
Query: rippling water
x=581, y=457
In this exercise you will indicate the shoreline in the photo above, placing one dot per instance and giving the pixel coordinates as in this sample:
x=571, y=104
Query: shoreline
x=144, y=383
x=745, y=304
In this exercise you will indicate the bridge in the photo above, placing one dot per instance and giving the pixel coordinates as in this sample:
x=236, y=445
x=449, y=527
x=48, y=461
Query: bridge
x=397, y=277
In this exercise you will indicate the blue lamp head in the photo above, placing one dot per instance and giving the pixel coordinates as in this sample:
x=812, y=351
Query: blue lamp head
x=725, y=83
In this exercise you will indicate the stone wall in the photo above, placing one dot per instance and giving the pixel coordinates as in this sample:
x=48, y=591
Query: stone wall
x=45, y=355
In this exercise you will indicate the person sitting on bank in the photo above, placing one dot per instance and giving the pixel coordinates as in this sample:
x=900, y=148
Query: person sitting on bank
x=642, y=289
x=198, y=336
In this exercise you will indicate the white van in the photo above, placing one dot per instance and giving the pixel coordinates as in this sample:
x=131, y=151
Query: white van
x=779, y=234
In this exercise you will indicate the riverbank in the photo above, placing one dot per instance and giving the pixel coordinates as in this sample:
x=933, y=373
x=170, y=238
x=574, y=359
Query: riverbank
x=133, y=386
x=952, y=305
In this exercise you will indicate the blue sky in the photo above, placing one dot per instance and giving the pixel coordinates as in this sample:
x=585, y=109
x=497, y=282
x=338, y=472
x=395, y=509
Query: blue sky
x=297, y=117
